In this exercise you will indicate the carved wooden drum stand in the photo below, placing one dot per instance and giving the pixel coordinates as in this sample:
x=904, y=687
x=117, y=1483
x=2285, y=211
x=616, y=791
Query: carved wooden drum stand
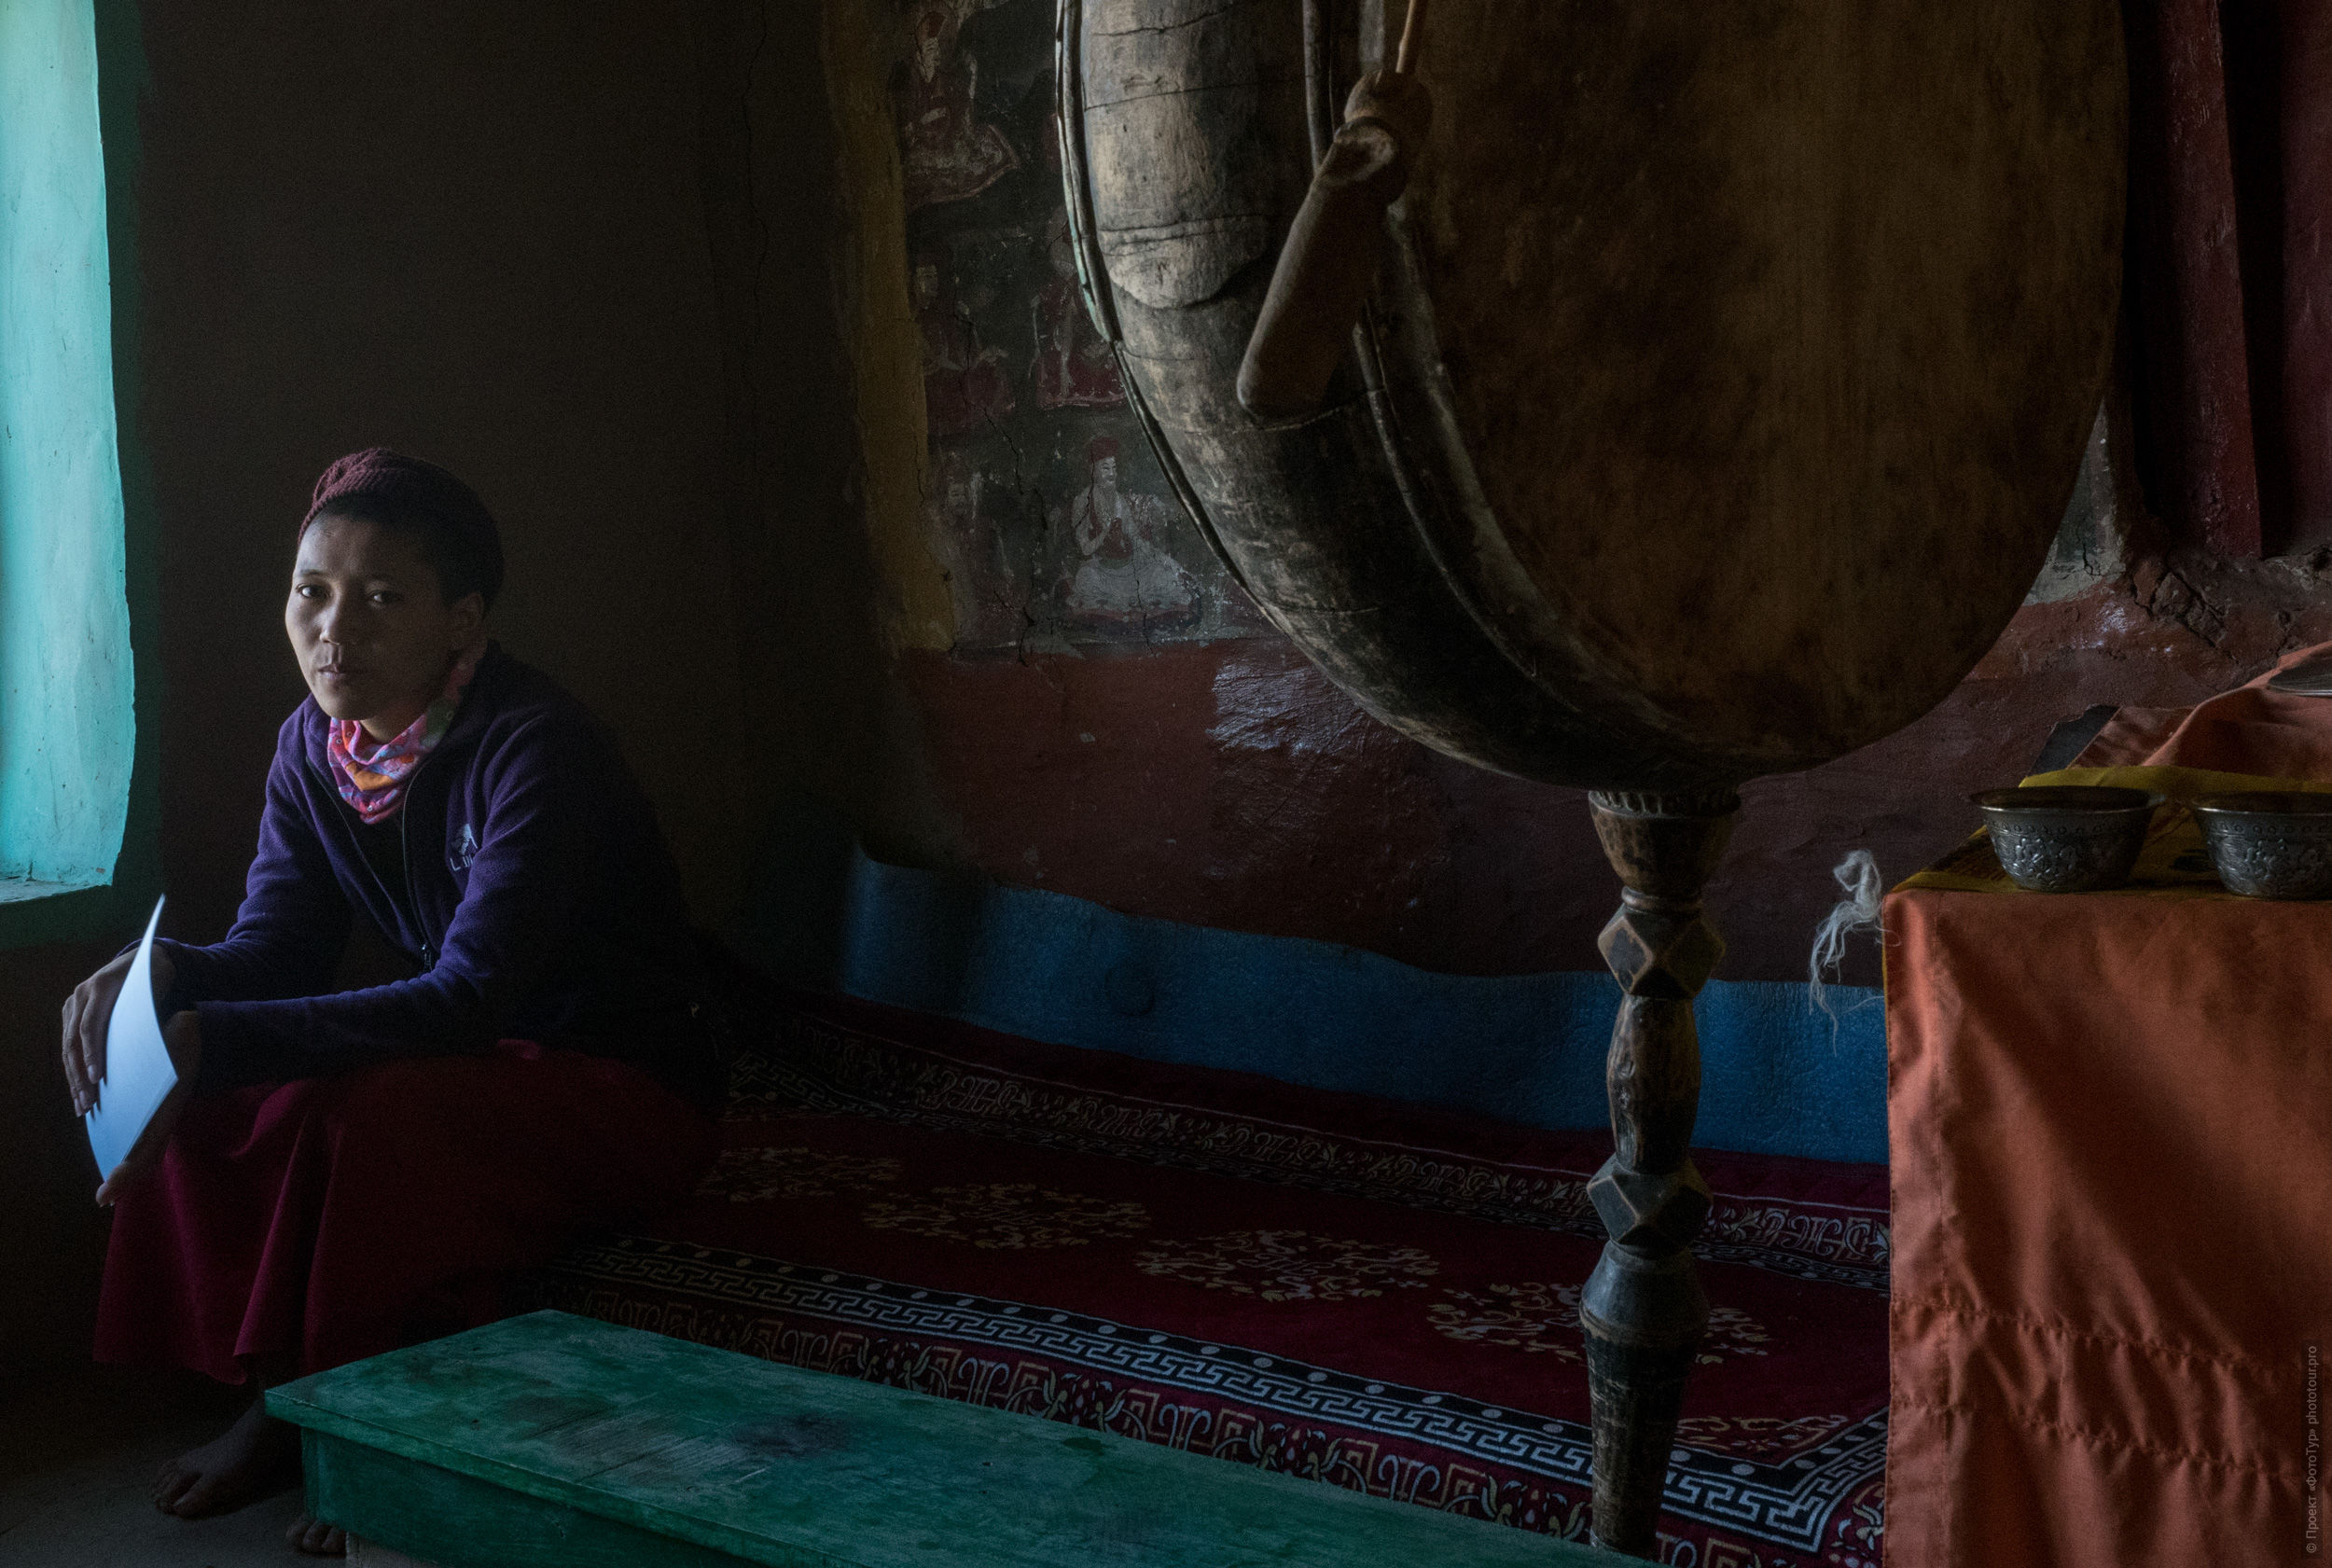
x=1720, y=379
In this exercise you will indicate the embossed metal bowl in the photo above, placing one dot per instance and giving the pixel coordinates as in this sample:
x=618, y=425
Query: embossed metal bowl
x=2269, y=844
x=2067, y=838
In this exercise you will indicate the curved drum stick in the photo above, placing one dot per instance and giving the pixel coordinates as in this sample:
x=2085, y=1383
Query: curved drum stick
x=1413, y=37
x=1330, y=263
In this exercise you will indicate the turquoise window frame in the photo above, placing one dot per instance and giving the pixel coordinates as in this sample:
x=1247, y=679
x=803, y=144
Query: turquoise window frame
x=77, y=678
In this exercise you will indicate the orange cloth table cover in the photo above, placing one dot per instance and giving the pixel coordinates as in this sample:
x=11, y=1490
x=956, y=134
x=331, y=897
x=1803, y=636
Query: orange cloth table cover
x=2250, y=729
x=2111, y=1127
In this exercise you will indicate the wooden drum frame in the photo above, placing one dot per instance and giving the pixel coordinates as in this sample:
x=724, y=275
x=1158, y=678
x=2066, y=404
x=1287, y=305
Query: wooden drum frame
x=1725, y=376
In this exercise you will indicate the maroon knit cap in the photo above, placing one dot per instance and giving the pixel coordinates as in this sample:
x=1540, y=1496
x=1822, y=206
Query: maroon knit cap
x=412, y=485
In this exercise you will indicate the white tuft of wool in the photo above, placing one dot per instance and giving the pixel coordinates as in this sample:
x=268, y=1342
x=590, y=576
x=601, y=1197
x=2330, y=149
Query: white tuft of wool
x=1858, y=877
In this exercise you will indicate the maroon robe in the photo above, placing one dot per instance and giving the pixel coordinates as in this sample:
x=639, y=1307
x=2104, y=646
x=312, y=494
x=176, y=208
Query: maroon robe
x=316, y=1222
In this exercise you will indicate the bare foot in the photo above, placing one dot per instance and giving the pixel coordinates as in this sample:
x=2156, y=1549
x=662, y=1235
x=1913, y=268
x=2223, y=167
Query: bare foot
x=250, y=1460
x=317, y=1539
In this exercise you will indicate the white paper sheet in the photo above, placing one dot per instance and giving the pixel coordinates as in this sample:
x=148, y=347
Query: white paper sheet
x=138, y=1072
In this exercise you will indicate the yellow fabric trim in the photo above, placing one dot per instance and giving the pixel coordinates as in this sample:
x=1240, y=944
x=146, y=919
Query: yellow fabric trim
x=2172, y=864
x=2179, y=783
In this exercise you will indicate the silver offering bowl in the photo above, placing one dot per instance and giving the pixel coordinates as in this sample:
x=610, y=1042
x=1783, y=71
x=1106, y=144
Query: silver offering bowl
x=2067, y=838
x=2269, y=843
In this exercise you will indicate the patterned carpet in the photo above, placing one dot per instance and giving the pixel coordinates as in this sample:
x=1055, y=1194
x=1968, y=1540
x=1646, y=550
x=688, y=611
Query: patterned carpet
x=1371, y=1295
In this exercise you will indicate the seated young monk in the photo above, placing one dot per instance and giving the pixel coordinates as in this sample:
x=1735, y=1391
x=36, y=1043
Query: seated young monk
x=342, y=1174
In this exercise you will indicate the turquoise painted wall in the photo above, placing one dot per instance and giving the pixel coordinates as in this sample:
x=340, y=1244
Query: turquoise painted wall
x=67, y=733
x=1777, y=1076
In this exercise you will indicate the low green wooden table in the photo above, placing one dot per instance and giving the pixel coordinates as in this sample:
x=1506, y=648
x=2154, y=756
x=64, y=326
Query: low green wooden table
x=561, y=1442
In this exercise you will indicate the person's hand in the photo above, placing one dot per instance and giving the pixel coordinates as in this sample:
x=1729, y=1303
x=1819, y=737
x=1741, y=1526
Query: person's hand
x=89, y=1011
x=182, y=1037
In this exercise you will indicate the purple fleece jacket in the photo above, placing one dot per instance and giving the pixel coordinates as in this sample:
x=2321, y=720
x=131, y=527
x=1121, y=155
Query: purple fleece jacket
x=540, y=903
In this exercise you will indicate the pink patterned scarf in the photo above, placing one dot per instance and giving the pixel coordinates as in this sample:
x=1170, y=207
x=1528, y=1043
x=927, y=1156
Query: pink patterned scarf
x=374, y=783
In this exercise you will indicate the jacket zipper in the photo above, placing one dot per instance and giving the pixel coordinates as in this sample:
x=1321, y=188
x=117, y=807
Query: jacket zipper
x=404, y=863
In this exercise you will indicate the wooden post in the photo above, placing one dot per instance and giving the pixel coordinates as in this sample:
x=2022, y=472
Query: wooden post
x=1643, y=1308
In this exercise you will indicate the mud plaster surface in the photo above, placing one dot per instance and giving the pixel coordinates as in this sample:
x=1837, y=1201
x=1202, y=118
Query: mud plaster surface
x=1228, y=785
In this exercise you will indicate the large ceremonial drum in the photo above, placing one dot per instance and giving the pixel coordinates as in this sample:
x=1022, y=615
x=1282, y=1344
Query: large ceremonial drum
x=1726, y=374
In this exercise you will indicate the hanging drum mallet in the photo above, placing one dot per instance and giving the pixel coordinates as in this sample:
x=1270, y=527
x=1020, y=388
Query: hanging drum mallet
x=1330, y=263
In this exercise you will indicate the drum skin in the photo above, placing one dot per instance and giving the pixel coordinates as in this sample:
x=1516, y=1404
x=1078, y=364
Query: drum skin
x=1726, y=377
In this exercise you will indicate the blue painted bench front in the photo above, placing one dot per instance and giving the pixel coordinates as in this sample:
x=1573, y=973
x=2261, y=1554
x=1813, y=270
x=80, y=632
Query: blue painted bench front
x=553, y=1441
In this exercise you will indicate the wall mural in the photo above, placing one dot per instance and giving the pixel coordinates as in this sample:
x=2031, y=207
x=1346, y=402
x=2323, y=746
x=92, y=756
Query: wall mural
x=1045, y=504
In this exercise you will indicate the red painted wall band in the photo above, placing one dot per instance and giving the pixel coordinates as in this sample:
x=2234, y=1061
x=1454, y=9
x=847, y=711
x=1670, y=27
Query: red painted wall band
x=2188, y=275
x=2307, y=138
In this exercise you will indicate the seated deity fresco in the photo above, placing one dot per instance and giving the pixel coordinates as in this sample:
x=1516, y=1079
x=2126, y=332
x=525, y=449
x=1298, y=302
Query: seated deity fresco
x=339, y=1173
